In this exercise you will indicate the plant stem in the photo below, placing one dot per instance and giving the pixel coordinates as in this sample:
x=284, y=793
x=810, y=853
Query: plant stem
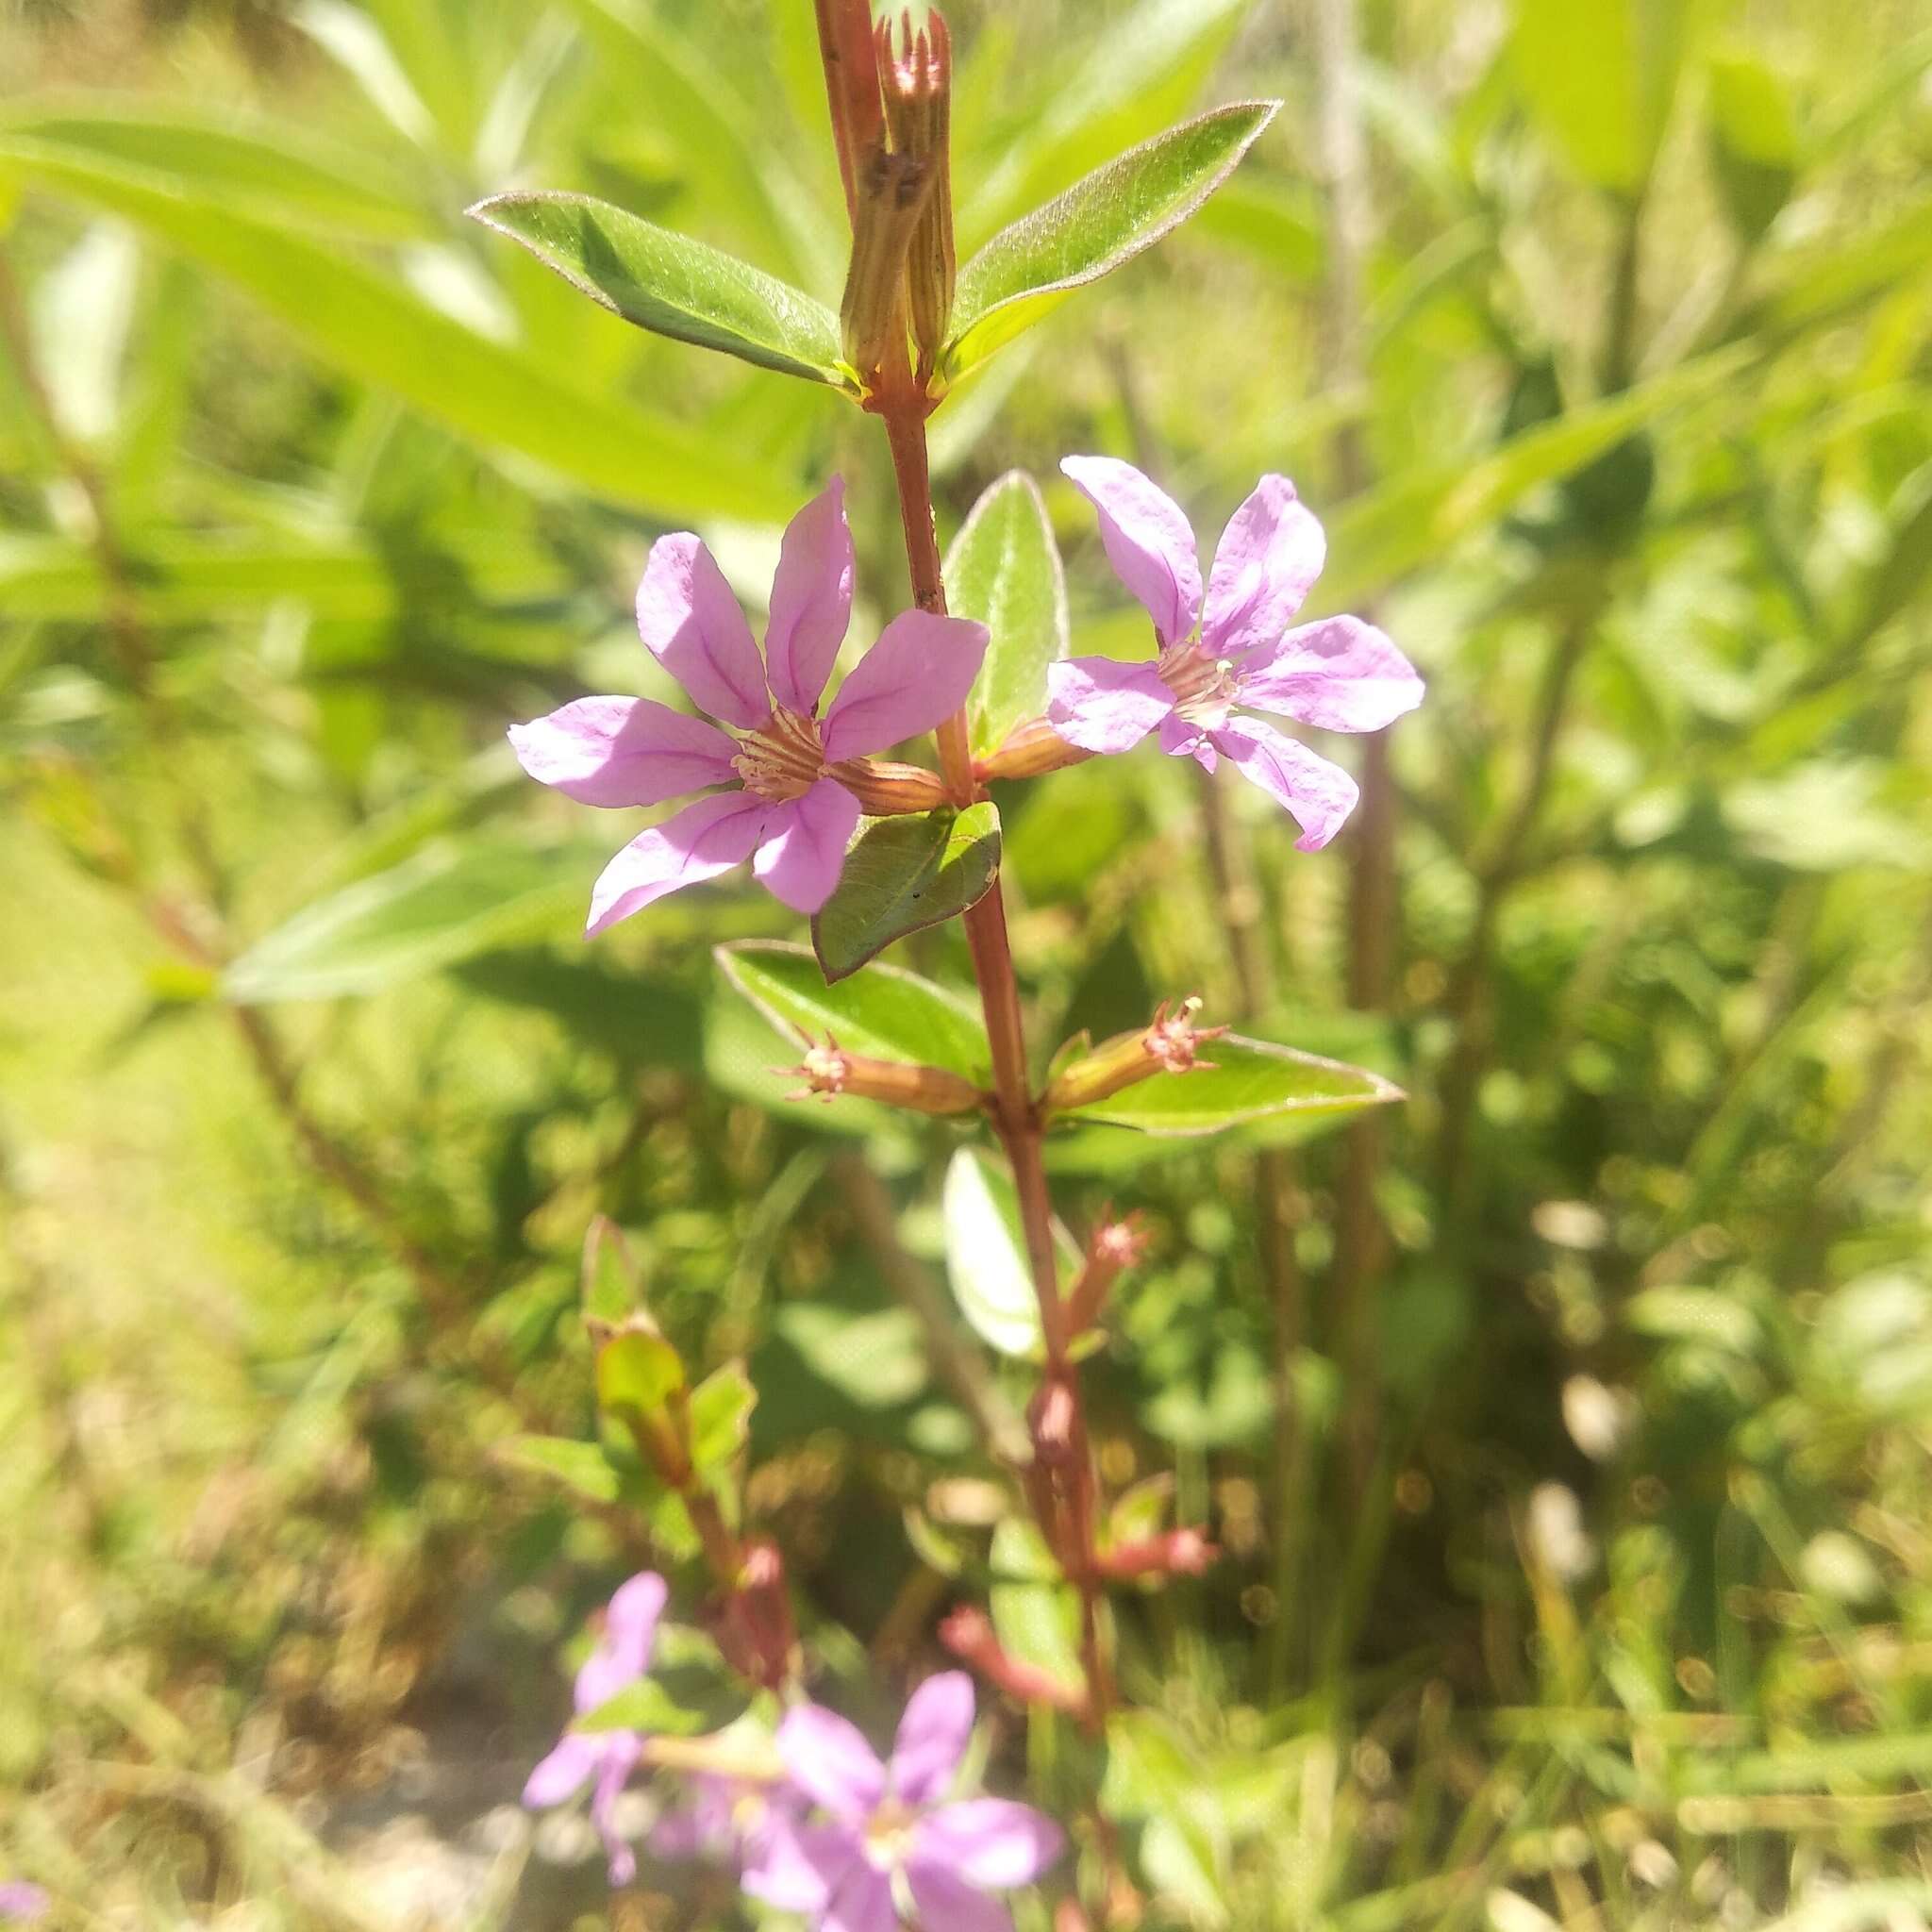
x=1015, y=1117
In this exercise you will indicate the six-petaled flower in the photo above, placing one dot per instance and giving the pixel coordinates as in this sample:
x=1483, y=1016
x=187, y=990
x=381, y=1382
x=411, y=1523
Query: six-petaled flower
x=787, y=809
x=606, y=1759
x=888, y=1844
x=1230, y=647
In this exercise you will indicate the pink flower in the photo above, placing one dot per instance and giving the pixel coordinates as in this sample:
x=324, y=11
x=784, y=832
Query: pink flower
x=786, y=804
x=727, y=1820
x=609, y=1758
x=886, y=1833
x=1232, y=648
x=23, y=1900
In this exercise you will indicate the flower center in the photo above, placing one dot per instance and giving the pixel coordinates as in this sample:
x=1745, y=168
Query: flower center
x=888, y=1834
x=783, y=758
x=1204, y=686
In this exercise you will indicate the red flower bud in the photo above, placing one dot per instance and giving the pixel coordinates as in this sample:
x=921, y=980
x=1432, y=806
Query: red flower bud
x=968, y=1633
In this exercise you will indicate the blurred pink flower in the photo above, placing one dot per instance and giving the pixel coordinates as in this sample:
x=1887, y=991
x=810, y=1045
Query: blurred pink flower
x=607, y=1757
x=885, y=1826
x=23, y=1900
x=1232, y=647
x=786, y=808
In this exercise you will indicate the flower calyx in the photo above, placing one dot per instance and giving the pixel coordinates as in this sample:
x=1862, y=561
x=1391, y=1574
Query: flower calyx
x=968, y=1633
x=1173, y=1553
x=1168, y=1045
x=1115, y=1247
x=829, y=1070
x=1029, y=751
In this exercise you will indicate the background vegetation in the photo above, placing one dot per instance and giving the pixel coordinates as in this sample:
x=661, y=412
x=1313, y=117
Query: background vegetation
x=1568, y=1436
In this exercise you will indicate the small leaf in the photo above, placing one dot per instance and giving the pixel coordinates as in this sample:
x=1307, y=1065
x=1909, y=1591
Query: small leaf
x=580, y=1466
x=639, y=1374
x=447, y=903
x=671, y=284
x=1239, y=1081
x=645, y=1706
x=1754, y=139
x=903, y=876
x=986, y=1255
x=876, y=1360
x=881, y=1011
x=1100, y=222
x=1004, y=571
x=721, y=1407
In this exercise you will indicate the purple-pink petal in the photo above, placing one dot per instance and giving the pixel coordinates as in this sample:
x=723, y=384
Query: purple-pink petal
x=947, y=1904
x=1270, y=555
x=691, y=625
x=1181, y=738
x=803, y=851
x=829, y=1760
x=992, y=1843
x=24, y=1901
x=797, y=1867
x=623, y=751
x=565, y=1772
x=621, y=1753
x=1147, y=540
x=862, y=1903
x=933, y=1735
x=624, y=1653
x=1339, y=674
x=1320, y=794
x=704, y=839
x=913, y=678
x=811, y=601
x=1105, y=705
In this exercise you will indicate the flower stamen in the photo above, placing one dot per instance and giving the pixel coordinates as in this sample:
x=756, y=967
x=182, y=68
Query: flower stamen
x=783, y=758
x=1203, y=688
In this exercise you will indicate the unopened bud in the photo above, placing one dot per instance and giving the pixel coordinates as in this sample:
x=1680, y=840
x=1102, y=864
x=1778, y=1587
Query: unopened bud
x=1116, y=1247
x=916, y=79
x=968, y=1633
x=1029, y=751
x=1055, y=1418
x=887, y=790
x=829, y=1070
x=754, y=1629
x=1168, y=1045
x=1178, y=1553
x=891, y=190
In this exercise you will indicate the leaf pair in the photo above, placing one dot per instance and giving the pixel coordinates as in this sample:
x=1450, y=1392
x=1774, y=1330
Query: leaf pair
x=684, y=288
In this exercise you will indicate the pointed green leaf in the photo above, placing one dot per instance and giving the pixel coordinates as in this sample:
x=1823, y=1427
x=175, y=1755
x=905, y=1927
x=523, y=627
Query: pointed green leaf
x=645, y=1706
x=986, y=1257
x=1004, y=571
x=639, y=1374
x=1247, y=1081
x=370, y=327
x=721, y=1407
x=671, y=284
x=880, y=1011
x=580, y=1466
x=1030, y=268
x=447, y=903
x=905, y=875
x=1753, y=140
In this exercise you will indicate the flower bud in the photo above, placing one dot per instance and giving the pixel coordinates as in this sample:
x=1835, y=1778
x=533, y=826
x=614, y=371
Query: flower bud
x=828, y=1070
x=1177, y=1553
x=968, y=1633
x=887, y=790
x=1116, y=1247
x=1168, y=1045
x=891, y=190
x=917, y=84
x=1028, y=751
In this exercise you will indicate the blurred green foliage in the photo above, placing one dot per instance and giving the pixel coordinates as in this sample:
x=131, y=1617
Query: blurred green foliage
x=1578, y=1568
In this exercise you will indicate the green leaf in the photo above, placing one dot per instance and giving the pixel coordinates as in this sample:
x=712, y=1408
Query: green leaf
x=369, y=327
x=903, y=876
x=1754, y=137
x=268, y=169
x=449, y=903
x=645, y=1706
x=639, y=1374
x=640, y=1021
x=1004, y=571
x=580, y=1466
x=985, y=1254
x=670, y=284
x=880, y=1011
x=876, y=1360
x=721, y=1407
x=1239, y=1081
x=1601, y=77
x=1030, y=268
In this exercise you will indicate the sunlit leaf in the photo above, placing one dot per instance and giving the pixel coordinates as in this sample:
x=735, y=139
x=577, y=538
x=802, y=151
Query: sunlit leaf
x=904, y=874
x=1004, y=571
x=1100, y=222
x=581, y=1466
x=645, y=1706
x=671, y=284
x=880, y=1011
x=985, y=1254
x=1754, y=139
x=1237, y=1081
x=447, y=903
